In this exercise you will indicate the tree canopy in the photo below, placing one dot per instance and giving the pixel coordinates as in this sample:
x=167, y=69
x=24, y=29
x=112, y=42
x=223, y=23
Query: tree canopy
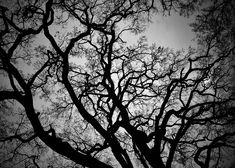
x=74, y=93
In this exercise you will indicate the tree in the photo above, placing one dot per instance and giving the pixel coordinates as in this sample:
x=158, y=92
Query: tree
x=81, y=97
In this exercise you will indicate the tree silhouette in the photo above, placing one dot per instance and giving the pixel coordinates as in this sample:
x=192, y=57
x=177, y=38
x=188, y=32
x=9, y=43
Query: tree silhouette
x=75, y=94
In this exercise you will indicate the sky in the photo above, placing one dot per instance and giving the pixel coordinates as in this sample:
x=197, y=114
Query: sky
x=168, y=31
x=171, y=31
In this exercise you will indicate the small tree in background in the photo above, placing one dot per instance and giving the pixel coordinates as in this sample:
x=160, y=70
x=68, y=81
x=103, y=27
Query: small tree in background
x=75, y=94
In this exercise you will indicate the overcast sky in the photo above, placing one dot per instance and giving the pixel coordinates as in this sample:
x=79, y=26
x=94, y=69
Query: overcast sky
x=168, y=31
x=171, y=31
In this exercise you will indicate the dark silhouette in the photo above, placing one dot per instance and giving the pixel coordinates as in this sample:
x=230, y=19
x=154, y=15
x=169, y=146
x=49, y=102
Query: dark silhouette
x=74, y=94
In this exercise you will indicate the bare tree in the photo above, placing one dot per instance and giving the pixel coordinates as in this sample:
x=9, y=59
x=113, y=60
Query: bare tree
x=75, y=94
